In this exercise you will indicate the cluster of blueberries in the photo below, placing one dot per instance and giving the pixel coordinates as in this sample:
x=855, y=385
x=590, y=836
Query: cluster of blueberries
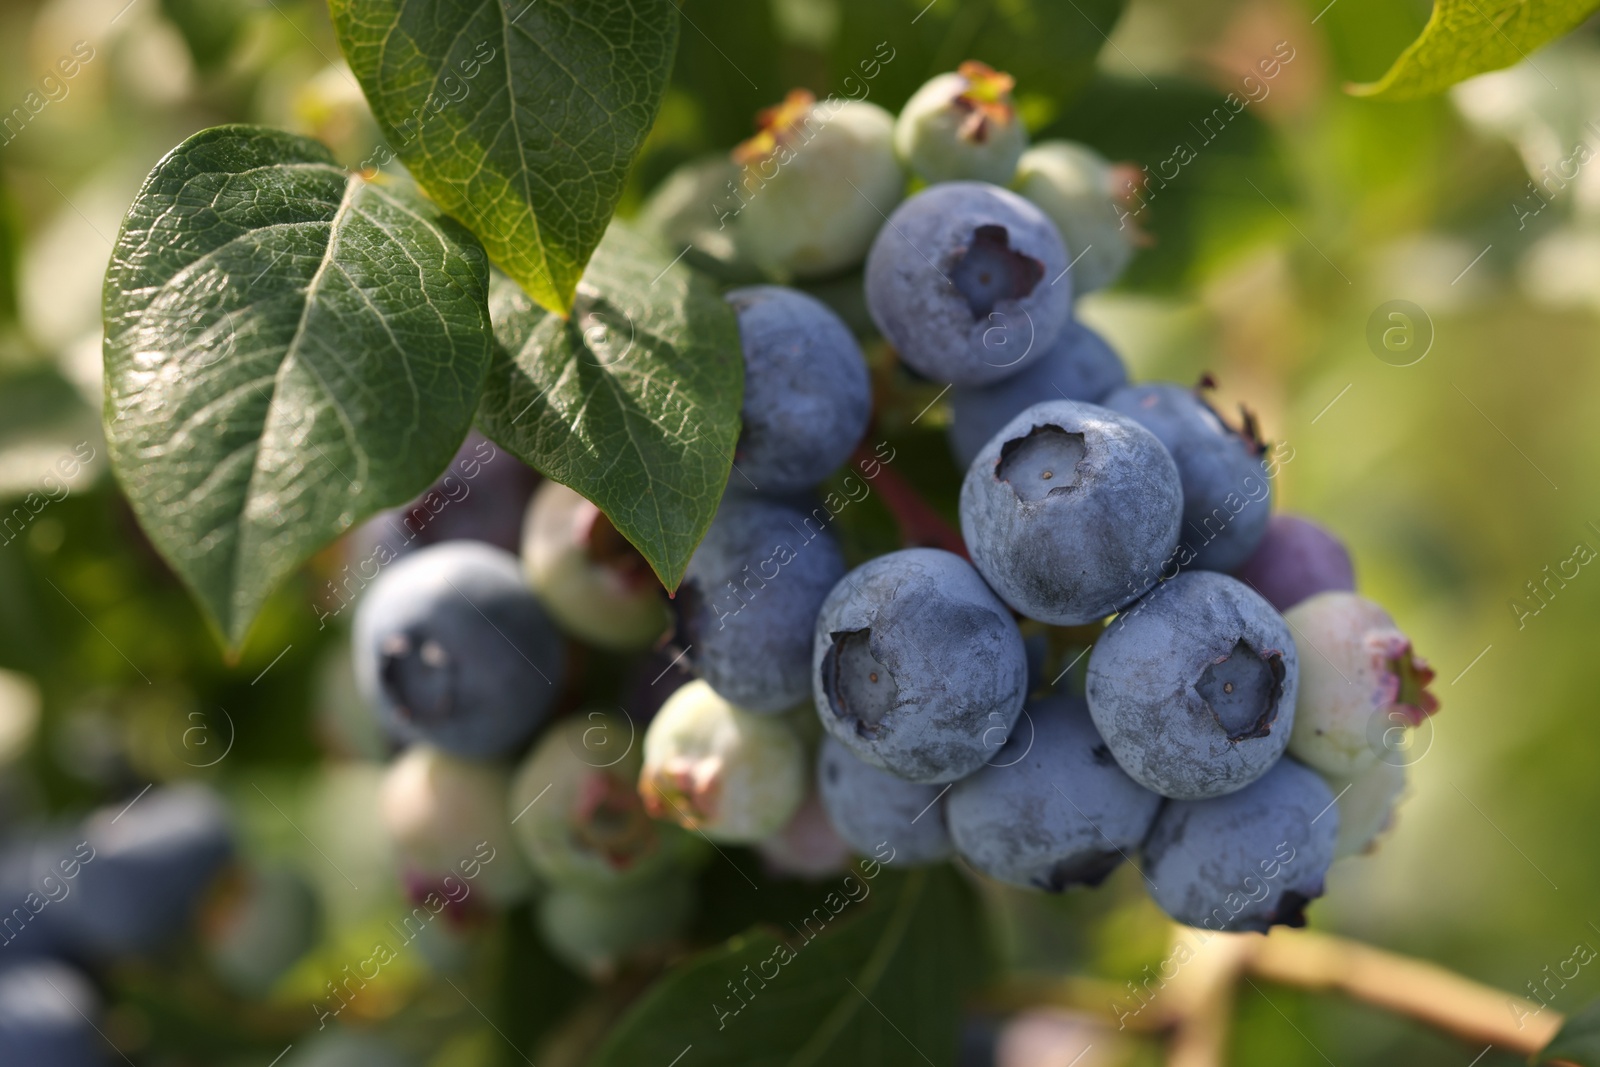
x=121, y=884
x=1242, y=713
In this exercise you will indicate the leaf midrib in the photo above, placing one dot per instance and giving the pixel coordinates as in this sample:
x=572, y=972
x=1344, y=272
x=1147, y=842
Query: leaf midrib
x=353, y=183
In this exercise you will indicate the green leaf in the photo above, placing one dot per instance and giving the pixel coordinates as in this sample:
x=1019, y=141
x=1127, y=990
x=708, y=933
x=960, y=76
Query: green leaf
x=1468, y=37
x=879, y=981
x=520, y=117
x=289, y=348
x=633, y=400
x=1577, y=1042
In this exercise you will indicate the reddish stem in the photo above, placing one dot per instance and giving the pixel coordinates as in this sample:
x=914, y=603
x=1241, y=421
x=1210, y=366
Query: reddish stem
x=920, y=525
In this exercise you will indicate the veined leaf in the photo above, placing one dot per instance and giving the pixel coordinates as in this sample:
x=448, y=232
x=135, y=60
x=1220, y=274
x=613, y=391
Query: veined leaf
x=520, y=117
x=1468, y=37
x=879, y=980
x=289, y=348
x=633, y=400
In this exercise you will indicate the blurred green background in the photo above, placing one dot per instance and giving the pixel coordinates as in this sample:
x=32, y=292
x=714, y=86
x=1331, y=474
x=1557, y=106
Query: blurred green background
x=1456, y=479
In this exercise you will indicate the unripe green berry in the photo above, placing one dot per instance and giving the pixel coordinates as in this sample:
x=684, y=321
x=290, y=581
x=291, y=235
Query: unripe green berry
x=258, y=925
x=1076, y=187
x=578, y=816
x=727, y=772
x=447, y=816
x=596, y=929
x=816, y=183
x=592, y=581
x=1367, y=805
x=962, y=127
x=1362, y=686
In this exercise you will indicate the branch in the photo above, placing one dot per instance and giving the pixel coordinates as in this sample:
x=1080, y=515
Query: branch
x=1476, y=1013
x=1194, y=1006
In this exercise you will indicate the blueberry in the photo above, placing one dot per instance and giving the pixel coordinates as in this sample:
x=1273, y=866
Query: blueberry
x=966, y=282
x=1193, y=688
x=266, y=920
x=1227, y=496
x=1079, y=366
x=806, y=392
x=917, y=667
x=814, y=184
x=1071, y=511
x=1295, y=560
x=441, y=813
x=1362, y=685
x=588, y=577
x=595, y=930
x=872, y=808
x=47, y=1017
x=962, y=125
x=576, y=806
x=151, y=862
x=749, y=599
x=1077, y=188
x=1051, y=809
x=719, y=769
x=1250, y=860
x=451, y=648
x=1367, y=804
x=688, y=209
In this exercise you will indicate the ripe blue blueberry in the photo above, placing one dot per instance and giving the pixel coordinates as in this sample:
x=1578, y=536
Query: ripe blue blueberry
x=872, y=808
x=806, y=392
x=153, y=862
x=452, y=648
x=917, y=667
x=1295, y=560
x=48, y=1013
x=1079, y=366
x=1227, y=496
x=749, y=598
x=966, y=282
x=1250, y=860
x=1052, y=809
x=1070, y=511
x=1194, y=687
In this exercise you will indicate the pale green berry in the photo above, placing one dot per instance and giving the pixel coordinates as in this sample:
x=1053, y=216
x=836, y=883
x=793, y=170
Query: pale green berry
x=1367, y=805
x=596, y=929
x=258, y=926
x=1362, y=687
x=1076, y=187
x=816, y=183
x=696, y=206
x=711, y=766
x=578, y=815
x=590, y=579
x=447, y=819
x=962, y=127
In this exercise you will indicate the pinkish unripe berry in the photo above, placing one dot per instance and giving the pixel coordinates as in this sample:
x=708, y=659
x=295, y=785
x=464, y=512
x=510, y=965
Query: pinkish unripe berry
x=1361, y=685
